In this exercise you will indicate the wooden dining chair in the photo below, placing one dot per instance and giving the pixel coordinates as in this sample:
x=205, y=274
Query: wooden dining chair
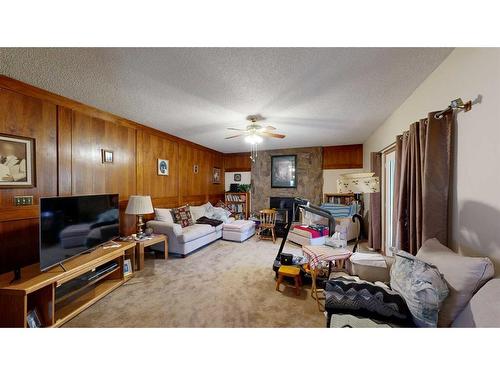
x=267, y=223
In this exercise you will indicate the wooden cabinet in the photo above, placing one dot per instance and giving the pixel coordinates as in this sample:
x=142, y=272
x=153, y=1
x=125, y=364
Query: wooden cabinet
x=343, y=157
x=42, y=291
x=239, y=162
x=239, y=204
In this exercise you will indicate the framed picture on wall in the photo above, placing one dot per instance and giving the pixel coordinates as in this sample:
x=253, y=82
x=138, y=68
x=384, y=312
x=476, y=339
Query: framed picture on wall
x=107, y=156
x=283, y=171
x=237, y=177
x=216, y=175
x=162, y=167
x=17, y=161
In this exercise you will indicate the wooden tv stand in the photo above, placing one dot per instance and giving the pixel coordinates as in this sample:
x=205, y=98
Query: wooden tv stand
x=37, y=290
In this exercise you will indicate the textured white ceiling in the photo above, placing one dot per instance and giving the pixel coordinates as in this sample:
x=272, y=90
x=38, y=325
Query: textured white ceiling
x=316, y=96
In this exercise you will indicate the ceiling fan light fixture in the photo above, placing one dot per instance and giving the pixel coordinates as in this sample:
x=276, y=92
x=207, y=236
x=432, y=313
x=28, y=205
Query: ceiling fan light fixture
x=253, y=139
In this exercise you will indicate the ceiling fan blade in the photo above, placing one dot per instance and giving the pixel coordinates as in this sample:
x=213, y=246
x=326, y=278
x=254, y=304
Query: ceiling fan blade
x=239, y=130
x=269, y=127
x=272, y=135
x=233, y=136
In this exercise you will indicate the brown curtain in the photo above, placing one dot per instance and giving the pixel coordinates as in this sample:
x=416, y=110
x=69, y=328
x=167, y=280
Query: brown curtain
x=422, y=182
x=375, y=214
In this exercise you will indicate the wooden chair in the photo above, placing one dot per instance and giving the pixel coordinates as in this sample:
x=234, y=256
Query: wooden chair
x=267, y=223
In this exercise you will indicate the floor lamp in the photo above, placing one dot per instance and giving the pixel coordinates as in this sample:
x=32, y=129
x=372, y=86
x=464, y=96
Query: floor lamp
x=357, y=184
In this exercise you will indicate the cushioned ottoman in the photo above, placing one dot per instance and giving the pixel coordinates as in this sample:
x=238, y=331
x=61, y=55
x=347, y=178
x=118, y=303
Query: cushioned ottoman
x=238, y=230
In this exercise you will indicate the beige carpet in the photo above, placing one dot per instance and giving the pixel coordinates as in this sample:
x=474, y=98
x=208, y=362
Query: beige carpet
x=225, y=284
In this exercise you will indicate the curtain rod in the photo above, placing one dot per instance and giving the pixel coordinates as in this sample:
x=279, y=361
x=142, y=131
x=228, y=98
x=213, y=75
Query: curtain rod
x=455, y=104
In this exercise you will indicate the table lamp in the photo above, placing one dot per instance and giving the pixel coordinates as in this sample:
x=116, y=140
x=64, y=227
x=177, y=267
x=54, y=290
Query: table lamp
x=139, y=205
x=358, y=183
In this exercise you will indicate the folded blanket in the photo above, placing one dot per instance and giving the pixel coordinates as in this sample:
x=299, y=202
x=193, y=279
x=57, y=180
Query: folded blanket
x=309, y=232
x=206, y=220
x=360, y=298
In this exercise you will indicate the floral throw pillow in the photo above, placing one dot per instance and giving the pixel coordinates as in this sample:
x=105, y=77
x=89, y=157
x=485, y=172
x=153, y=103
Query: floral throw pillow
x=182, y=216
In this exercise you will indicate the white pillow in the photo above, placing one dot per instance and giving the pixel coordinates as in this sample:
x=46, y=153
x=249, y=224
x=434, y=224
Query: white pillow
x=221, y=214
x=209, y=209
x=164, y=214
x=198, y=211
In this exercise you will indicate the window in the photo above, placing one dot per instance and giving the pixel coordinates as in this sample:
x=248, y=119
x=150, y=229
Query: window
x=388, y=172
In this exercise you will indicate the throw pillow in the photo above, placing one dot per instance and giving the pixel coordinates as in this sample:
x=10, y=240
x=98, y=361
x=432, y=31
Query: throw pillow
x=164, y=214
x=220, y=213
x=464, y=275
x=197, y=212
x=221, y=204
x=421, y=285
x=209, y=209
x=182, y=216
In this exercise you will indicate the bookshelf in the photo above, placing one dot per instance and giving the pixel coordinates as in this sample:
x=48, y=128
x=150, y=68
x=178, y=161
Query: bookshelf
x=337, y=198
x=239, y=203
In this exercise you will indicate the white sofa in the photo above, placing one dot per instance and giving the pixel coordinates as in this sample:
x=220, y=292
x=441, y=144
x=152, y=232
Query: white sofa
x=182, y=241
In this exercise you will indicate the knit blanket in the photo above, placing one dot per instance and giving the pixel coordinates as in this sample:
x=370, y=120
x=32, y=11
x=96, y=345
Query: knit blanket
x=206, y=220
x=360, y=298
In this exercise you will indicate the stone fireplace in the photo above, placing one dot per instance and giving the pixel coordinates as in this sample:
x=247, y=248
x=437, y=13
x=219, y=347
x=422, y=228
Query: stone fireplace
x=309, y=174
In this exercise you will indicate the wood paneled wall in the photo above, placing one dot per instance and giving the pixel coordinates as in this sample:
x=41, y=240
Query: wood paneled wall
x=237, y=162
x=343, y=157
x=69, y=137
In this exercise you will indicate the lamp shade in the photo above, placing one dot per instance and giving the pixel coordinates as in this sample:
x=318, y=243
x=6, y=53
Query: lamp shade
x=358, y=183
x=139, y=205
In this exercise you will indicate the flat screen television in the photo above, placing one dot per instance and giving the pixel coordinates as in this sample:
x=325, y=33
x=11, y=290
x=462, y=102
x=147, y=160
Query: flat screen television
x=73, y=225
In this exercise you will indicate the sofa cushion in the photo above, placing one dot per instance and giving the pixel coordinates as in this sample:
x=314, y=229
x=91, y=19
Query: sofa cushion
x=464, y=276
x=198, y=211
x=164, y=214
x=422, y=287
x=182, y=216
x=483, y=310
x=239, y=225
x=192, y=232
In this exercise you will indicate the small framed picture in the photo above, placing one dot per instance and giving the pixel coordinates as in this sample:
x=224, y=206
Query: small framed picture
x=33, y=320
x=196, y=168
x=17, y=161
x=237, y=177
x=216, y=175
x=127, y=267
x=107, y=156
x=162, y=167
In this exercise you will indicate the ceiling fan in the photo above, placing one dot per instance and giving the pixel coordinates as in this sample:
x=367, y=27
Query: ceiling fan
x=254, y=131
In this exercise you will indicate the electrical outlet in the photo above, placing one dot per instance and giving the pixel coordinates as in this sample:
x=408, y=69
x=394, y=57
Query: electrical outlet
x=25, y=200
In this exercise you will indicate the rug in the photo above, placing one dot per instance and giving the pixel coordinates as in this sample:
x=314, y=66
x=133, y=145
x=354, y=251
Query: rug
x=225, y=284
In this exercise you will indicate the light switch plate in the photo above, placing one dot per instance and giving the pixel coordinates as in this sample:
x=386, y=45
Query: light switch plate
x=25, y=200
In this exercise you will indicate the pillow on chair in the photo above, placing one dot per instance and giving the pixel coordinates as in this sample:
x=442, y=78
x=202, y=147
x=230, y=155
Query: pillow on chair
x=464, y=275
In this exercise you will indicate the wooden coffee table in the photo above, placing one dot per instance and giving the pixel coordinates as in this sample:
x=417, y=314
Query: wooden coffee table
x=142, y=244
